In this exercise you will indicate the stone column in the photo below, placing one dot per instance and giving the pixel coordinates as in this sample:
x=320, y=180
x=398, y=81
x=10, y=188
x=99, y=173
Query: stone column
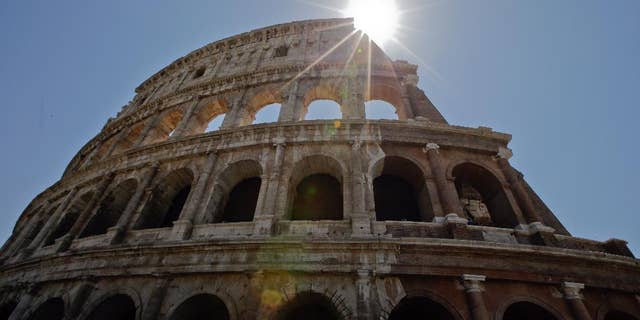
x=269, y=195
x=571, y=293
x=142, y=192
x=473, y=289
x=25, y=302
x=363, y=294
x=183, y=227
x=117, y=140
x=97, y=196
x=446, y=189
x=515, y=180
x=360, y=219
x=181, y=128
x=151, y=123
x=234, y=116
x=290, y=104
x=153, y=305
x=353, y=105
x=50, y=224
x=79, y=299
x=17, y=239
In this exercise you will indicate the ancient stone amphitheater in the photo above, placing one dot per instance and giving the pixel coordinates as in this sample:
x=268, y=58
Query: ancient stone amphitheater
x=158, y=217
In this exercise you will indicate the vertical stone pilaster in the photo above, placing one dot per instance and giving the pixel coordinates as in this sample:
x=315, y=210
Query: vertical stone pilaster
x=473, y=290
x=153, y=305
x=269, y=195
x=360, y=219
x=25, y=302
x=290, y=105
x=363, y=293
x=235, y=114
x=139, y=197
x=515, y=180
x=571, y=294
x=151, y=123
x=184, y=226
x=446, y=189
x=17, y=241
x=79, y=299
x=97, y=197
x=182, y=127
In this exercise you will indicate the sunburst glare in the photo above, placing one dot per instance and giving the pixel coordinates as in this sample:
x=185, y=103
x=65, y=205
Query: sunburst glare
x=376, y=18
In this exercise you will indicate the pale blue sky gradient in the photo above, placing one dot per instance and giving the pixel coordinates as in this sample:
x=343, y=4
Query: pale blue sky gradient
x=562, y=76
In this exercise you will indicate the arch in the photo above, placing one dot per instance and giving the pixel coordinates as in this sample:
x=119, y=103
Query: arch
x=525, y=310
x=267, y=114
x=380, y=110
x=327, y=94
x=69, y=218
x=390, y=93
x=236, y=195
x=200, y=307
x=165, y=126
x=316, y=186
x=400, y=191
x=52, y=309
x=32, y=233
x=167, y=200
x=618, y=315
x=118, y=306
x=309, y=305
x=6, y=309
x=482, y=196
x=130, y=138
x=323, y=110
x=420, y=307
x=110, y=209
x=208, y=116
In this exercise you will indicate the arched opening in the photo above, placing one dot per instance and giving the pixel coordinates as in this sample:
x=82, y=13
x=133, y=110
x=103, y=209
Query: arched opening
x=323, y=110
x=6, y=309
x=164, y=127
x=120, y=307
x=527, y=311
x=380, y=110
x=111, y=208
x=208, y=117
x=619, y=315
x=318, y=197
x=482, y=197
x=129, y=139
x=201, y=307
x=69, y=218
x=309, y=306
x=400, y=192
x=419, y=308
x=39, y=223
x=52, y=309
x=167, y=200
x=199, y=72
x=268, y=114
x=241, y=203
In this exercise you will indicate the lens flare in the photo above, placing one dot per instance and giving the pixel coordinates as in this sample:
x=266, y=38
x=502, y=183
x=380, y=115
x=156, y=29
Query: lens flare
x=376, y=18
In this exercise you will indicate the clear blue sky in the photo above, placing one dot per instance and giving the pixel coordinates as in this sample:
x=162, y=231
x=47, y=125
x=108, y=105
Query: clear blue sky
x=562, y=76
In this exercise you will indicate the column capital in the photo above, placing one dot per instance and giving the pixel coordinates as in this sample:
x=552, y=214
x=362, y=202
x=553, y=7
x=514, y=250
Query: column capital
x=430, y=146
x=279, y=143
x=571, y=290
x=472, y=282
x=504, y=153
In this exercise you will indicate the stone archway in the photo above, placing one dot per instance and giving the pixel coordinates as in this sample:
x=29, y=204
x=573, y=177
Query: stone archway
x=52, y=309
x=525, y=310
x=201, y=307
x=116, y=307
x=309, y=306
x=419, y=308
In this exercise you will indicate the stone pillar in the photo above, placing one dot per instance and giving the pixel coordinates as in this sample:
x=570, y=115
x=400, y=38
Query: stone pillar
x=141, y=194
x=571, y=294
x=515, y=181
x=183, y=227
x=181, y=128
x=98, y=195
x=353, y=105
x=51, y=224
x=360, y=220
x=234, y=116
x=79, y=299
x=290, y=104
x=446, y=189
x=25, y=302
x=117, y=140
x=473, y=289
x=269, y=195
x=17, y=239
x=151, y=123
x=153, y=305
x=363, y=294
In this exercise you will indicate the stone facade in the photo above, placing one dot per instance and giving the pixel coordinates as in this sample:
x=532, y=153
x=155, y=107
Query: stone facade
x=349, y=218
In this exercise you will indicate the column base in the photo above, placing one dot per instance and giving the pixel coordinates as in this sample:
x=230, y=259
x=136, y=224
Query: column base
x=181, y=230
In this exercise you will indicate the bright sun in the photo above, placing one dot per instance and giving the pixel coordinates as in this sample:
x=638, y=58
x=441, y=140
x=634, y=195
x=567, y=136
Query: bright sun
x=376, y=18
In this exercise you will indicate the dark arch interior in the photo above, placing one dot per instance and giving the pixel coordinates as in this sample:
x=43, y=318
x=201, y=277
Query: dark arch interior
x=118, y=307
x=111, y=208
x=527, y=311
x=419, y=308
x=400, y=193
x=7, y=308
x=52, y=309
x=69, y=218
x=167, y=201
x=242, y=200
x=201, y=307
x=619, y=315
x=309, y=306
x=318, y=197
x=475, y=182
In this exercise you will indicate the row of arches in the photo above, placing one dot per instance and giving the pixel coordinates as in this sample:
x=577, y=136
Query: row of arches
x=305, y=305
x=317, y=184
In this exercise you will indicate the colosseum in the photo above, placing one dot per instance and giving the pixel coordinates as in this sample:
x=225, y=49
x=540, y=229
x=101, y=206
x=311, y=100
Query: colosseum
x=161, y=216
